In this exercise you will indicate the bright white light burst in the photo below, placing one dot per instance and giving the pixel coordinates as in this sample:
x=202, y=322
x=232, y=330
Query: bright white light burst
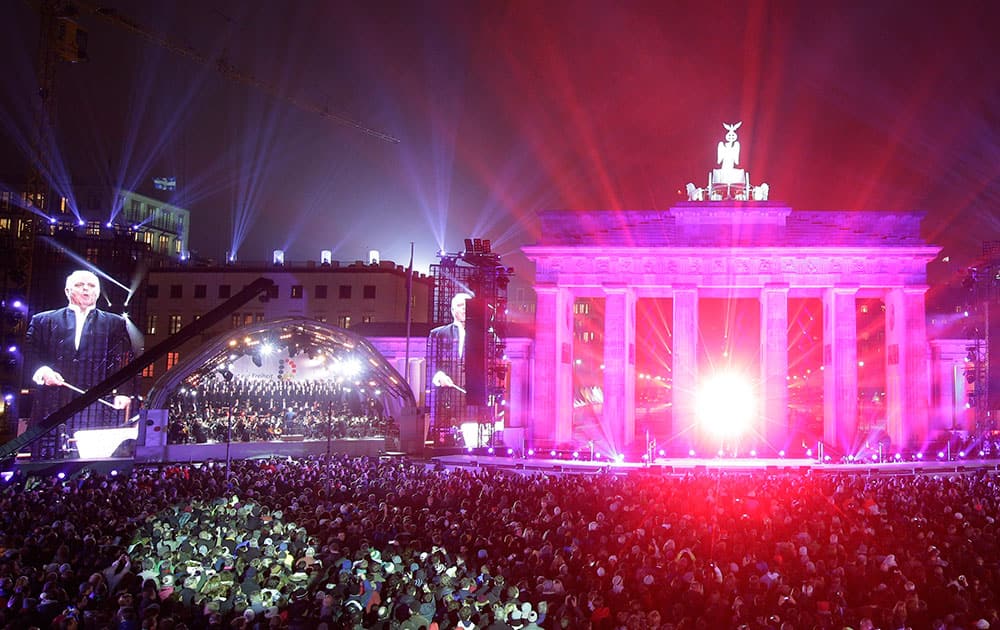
x=726, y=404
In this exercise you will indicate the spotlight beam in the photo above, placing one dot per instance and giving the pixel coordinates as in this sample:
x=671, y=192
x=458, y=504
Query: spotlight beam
x=83, y=262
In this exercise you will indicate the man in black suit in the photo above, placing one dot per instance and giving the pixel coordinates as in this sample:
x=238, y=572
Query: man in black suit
x=76, y=347
x=447, y=344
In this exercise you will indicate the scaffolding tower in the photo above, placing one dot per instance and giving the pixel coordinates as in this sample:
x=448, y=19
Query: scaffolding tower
x=469, y=413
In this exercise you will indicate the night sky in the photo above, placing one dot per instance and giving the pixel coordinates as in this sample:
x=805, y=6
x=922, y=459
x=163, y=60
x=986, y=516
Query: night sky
x=506, y=108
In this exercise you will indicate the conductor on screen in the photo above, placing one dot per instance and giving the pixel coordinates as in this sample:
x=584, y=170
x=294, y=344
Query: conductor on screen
x=449, y=340
x=71, y=349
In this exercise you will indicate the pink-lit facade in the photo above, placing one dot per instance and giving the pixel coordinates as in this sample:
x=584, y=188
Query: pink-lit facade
x=758, y=250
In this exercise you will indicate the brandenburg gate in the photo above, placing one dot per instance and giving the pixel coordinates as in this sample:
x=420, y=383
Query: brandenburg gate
x=729, y=240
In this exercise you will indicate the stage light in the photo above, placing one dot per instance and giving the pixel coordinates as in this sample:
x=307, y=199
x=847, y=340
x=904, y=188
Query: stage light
x=470, y=433
x=961, y=453
x=531, y=452
x=468, y=449
x=266, y=349
x=61, y=475
x=725, y=404
x=874, y=457
x=982, y=453
x=12, y=349
x=827, y=458
x=940, y=454
x=326, y=257
x=102, y=443
x=114, y=473
x=8, y=397
x=81, y=222
x=899, y=456
x=753, y=453
x=809, y=452
x=719, y=453
x=620, y=458
x=920, y=455
x=552, y=453
x=18, y=304
x=691, y=452
x=661, y=452
x=374, y=257
x=108, y=224
x=576, y=455
x=781, y=453
x=490, y=450
x=278, y=257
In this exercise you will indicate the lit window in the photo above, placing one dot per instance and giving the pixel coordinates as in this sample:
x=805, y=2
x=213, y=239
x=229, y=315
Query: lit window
x=175, y=323
x=235, y=320
x=296, y=291
x=344, y=321
x=247, y=319
x=367, y=319
x=94, y=228
x=151, y=324
x=147, y=372
x=172, y=359
x=258, y=317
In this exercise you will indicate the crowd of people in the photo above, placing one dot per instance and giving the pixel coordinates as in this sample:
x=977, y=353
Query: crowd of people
x=390, y=543
x=259, y=409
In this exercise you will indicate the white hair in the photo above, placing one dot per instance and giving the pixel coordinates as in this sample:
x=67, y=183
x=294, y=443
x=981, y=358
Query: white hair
x=71, y=278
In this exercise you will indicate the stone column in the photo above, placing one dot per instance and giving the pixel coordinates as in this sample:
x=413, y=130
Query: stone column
x=685, y=357
x=774, y=365
x=840, y=368
x=516, y=398
x=619, y=366
x=552, y=397
x=907, y=373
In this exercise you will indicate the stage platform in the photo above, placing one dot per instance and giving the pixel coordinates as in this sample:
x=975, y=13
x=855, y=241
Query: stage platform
x=197, y=453
x=685, y=465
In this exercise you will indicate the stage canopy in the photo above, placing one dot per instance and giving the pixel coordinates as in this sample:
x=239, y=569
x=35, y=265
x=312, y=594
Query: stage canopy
x=290, y=349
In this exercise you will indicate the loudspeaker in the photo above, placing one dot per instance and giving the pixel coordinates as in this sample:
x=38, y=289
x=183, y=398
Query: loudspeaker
x=156, y=428
x=476, y=323
x=993, y=359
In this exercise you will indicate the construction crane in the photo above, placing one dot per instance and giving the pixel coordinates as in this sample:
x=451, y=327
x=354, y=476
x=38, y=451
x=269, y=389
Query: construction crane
x=219, y=64
x=62, y=39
